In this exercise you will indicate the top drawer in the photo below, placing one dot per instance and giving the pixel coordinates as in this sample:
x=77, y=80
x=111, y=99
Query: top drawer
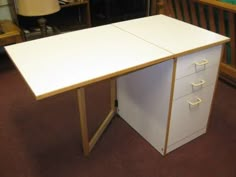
x=198, y=61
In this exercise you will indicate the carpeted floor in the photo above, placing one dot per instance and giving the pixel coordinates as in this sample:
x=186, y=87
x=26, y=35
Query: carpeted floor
x=42, y=138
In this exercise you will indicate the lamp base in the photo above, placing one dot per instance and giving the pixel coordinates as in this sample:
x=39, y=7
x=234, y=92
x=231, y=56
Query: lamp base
x=42, y=24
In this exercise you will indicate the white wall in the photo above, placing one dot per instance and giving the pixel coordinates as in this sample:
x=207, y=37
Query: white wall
x=4, y=10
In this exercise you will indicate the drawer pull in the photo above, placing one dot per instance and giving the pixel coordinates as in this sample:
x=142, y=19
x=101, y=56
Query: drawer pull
x=201, y=82
x=201, y=63
x=197, y=102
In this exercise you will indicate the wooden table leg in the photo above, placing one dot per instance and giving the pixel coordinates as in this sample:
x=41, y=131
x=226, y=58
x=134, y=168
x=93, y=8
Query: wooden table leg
x=83, y=120
x=89, y=144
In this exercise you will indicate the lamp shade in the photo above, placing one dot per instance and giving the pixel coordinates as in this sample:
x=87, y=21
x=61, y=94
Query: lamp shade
x=37, y=7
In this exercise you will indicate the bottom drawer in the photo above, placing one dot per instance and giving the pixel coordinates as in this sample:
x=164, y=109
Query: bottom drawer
x=190, y=114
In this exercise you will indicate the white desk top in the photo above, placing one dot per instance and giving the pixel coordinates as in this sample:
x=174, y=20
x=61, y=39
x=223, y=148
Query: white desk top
x=170, y=34
x=64, y=62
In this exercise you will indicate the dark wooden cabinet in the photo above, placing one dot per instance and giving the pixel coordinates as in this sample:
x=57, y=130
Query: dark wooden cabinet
x=108, y=11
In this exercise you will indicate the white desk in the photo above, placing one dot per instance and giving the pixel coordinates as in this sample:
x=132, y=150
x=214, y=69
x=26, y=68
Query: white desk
x=74, y=60
x=170, y=116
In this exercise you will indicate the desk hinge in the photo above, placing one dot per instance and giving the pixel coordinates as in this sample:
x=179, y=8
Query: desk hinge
x=116, y=103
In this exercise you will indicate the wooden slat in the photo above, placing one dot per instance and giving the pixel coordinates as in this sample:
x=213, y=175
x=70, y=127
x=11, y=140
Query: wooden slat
x=203, y=22
x=221, y=22
x=100, y=130
x=154, y=7
x=193, y=13
x=228, y=70
x=211, y=19
x=83, y=120
x=178, y=10
x=169, y=8
x=109, y=117
x=170, y=106
x=186, y=12
x=221, y=5
x=232, y=31
x=222, y=30
x=88, y=15
x=160, y=7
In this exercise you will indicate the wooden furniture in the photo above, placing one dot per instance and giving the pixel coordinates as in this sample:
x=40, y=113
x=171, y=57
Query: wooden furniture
x=87, y=15
x=147, y=97
x=213, y=15
x=72, y=16
x=76, y=59
x=157, y=7
x=110, y=11
x=181, y=97
x=11, y=33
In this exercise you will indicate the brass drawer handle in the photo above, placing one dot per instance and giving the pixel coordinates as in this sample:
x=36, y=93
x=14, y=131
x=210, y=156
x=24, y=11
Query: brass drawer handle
x=200, y=83
x=202, y=62
x=194, y=103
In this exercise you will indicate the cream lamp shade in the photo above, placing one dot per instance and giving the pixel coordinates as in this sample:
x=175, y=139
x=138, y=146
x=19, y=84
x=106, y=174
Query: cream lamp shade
x=37, y=7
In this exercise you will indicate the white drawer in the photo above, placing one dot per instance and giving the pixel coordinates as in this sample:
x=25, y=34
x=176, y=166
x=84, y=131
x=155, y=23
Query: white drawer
x=195, y=82
x=186, y=119
x=198, y=61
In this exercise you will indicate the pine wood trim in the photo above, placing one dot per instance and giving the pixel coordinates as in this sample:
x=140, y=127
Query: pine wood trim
x=170, y=106
x=220, y=5
x=86, y=143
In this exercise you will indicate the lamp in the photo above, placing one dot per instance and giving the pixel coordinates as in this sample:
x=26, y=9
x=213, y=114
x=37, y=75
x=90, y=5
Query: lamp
x=38, y=8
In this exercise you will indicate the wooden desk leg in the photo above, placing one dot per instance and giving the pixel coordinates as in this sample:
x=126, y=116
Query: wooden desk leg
x=83, y=120
x=89, y=144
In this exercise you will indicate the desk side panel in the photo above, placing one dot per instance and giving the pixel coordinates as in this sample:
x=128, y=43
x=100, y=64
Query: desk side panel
x=143, y=98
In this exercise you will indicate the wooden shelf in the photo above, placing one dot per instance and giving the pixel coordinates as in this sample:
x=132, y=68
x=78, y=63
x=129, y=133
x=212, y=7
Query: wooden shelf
x=86, y=5
x=11, y=33
x=74, y=4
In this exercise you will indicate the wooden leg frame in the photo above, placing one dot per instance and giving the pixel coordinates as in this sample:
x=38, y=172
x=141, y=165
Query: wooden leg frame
x=89, y=144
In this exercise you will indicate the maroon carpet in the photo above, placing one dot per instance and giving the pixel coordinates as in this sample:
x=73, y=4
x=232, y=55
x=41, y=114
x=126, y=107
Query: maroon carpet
x=42, y=138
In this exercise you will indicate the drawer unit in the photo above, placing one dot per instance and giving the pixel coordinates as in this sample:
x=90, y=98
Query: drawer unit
x=191, y=101
x=198, y=61
x=195, y=82
x=197, y=54
x=190, y=114
x=193, y=91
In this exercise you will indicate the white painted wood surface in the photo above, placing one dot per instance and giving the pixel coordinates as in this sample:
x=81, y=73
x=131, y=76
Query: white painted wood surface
x=187, y=72
x=186, y=66
x=144, y=101
x=186, y=140
x=63, y=62
x=184, y=85
x=186, y=119
x=60, y=63
x=173, y=35
x=188, y=44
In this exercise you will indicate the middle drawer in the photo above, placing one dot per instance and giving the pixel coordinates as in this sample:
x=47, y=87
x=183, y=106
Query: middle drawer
x=195, y=82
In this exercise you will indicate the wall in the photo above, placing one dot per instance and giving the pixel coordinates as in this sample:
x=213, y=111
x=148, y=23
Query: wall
x=4, y=10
